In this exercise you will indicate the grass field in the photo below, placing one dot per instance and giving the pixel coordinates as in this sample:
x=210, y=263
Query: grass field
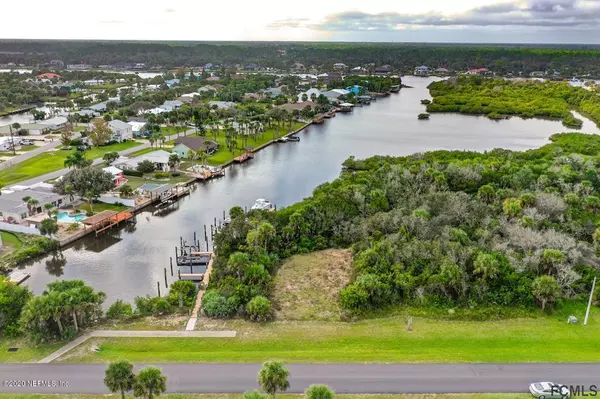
x=306, y=286
x=52, y=161
x=26, y=352
x=279, y=395
x=101, y=206
x=542, y=339
x=10, y=242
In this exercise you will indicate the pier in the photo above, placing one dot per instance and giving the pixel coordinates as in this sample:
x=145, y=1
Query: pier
x=105, y=220
x=244, y=157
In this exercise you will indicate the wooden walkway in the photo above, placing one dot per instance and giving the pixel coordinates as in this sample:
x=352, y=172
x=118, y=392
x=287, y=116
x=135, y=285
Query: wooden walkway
x=191, y=324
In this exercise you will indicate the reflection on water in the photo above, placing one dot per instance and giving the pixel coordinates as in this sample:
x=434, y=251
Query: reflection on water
x=130, y=260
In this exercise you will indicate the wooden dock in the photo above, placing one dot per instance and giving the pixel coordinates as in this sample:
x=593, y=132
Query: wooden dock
x=244, y=157
x=207, y=174
x=18, y=276
x=105, y=220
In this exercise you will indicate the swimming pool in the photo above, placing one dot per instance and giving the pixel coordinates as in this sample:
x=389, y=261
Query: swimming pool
x=64, y=217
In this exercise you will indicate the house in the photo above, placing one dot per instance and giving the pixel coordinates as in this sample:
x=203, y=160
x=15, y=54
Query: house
x=358, y=69
x=252, y=67
x=33, y=129
x=339, y=66
x=383, y=70
x=185, y=100
x=421, y=71
x=335, y=93
x=273, y=91
x=222, y=104
x=122, y=131
x=117, y=174
x=93, y=82
x=171, y=105
x=159, y=158
x=254, y=96
x=183, y=146
x=153, y=111
x=441, y=70
x=309, y=94
x=172, y=82
x=79, y=66
x=14, y=209
x=48, y=75
x=478, y=71
x=206, y=88
x=537, y=73
x=213, y=78
x=56, y=123
x=138, y=127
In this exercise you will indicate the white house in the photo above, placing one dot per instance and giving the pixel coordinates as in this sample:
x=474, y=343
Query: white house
x=421, y=71
x=222, y=104
x=171, y=105
x=138, y=128
x=160, y=159
x=14, y=209
x=122, y=131
x=55, y=123
x=340, y=65
x=309, y=93
x=335, y=93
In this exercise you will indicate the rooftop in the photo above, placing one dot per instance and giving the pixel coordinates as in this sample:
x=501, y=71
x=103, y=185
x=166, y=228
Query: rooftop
x=196, y=143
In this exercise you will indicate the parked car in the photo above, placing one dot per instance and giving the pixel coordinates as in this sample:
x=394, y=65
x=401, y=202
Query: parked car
x=26, y=142
x=66, y=148
x=547, y=390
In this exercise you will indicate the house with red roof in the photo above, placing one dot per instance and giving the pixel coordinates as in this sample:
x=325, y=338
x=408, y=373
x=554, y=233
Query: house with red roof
x=48, y=75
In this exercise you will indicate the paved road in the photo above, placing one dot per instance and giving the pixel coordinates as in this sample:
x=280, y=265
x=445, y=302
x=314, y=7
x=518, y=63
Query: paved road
x=343, y=378
x=58, y=173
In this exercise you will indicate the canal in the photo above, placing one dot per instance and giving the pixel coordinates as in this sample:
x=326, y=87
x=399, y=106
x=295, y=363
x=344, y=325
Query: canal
x=128, y=262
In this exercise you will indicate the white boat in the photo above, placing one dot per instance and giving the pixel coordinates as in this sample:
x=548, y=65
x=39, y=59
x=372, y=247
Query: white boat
x=262, y=205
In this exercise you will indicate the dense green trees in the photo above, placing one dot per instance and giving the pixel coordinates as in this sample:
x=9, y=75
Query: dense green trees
x=444, y=229
x=12, y=300
x=499, y=98
x=119, y=377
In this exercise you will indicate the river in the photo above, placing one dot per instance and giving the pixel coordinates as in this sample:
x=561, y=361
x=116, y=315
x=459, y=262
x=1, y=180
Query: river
x=128, y=262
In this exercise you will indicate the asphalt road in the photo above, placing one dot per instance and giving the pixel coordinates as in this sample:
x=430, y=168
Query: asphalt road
x=343, y=378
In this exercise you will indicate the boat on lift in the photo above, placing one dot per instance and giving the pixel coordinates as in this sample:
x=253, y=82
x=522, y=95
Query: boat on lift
x=262, y=204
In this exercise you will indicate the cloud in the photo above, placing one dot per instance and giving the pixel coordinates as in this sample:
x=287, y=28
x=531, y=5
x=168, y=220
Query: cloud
x=111, y=21
x=169, y=10
x=289, y=23
x=531, y=13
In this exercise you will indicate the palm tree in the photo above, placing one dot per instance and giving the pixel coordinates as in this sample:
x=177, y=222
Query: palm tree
x=26, y=201
x=149, y=382
x=69, y=192
x=34, y=203
x=90, y=198
x=48, y=208
x=273, y=377
x=119, y=377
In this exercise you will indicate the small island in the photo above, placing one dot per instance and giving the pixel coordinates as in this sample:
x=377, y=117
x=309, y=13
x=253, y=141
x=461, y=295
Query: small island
x=425, y=102
x=423, y=116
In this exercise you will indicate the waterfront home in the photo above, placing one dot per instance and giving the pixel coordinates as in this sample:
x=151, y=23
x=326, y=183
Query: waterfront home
x=358, y=69
x=207, y=88
x=309, y=94
x=14, y=210
x=183, y=146
x=79, y=66
x=537, y=73
x=441, y=70
x=159, y=158
x=383, y=70
x=336, y=93
x=478, y=71
x=122, y=131
x=421, y=71
x=222, y=104
x=118, y=178
x=55, y=123
x=339, y=65
x=139, y=126
x=172, y=82
x=33, y=129
x=171, y=105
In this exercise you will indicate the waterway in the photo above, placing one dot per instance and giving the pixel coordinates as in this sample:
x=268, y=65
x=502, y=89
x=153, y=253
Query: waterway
x=128, y=262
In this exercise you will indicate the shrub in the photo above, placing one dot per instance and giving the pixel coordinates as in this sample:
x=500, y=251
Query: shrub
x=146, y=166
x=188, y=291
x=119, y=310
x=216, y=305
x=161, y=307
x=162, y=175
x=144, y=306
x=176, y=174
x=133, y=172
x=259, y=309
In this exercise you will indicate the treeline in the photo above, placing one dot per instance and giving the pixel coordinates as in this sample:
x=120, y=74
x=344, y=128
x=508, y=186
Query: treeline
x=446, y=229
x=67, y=306
x=503, y=59
x=500, y=98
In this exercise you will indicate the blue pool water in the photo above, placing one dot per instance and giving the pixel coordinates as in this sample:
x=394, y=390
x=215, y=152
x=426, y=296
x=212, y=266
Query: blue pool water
x=66, y=218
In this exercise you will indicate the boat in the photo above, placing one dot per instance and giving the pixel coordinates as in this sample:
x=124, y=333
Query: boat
x=262, y=204
x=293, y=138
x=283, y=139
x=243, y=157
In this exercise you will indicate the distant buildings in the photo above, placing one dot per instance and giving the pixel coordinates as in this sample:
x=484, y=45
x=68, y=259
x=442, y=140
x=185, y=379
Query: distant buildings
x=340, y=66
x=48, y=75
x=79, y=66
x=478, y=71
x=383, y=70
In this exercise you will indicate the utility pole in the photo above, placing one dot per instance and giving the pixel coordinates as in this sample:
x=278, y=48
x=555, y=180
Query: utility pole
x=587, y=312
x=12, y=140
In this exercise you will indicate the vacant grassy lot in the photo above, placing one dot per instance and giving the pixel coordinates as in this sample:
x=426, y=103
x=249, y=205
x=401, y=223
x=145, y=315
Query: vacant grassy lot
x=52, y=161
x=543, y=339
x=307, y=286
x=281, y=396
x=10, y=242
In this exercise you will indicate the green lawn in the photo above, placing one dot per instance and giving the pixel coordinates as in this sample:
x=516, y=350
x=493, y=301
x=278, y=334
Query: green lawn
x=279, y=395
x=26, y=353
x=51, y=161
x=101, y=206
x=136, y=182
x=170, y=130
x=10, y=242
x=542, y=339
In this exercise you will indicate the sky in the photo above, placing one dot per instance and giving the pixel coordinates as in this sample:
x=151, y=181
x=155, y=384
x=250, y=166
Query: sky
x=468, y=21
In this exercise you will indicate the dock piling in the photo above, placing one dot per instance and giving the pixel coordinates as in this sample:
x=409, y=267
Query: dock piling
x=158, y=287
x=171, y=261
x=194, y=236
x=166, y=284
x=179, y=273
x=224, y=215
